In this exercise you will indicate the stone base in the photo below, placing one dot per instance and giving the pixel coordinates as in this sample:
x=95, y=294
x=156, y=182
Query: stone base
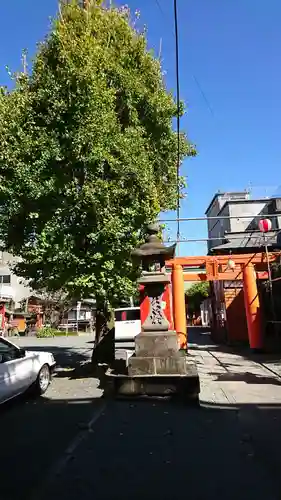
x=184, y=386
x=163, y=343
x=157, y=365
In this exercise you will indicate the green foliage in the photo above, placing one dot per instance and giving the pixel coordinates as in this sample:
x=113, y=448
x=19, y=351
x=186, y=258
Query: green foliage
x=196, y=294
x=70, y=333
x=87, y=155
x=46, y=332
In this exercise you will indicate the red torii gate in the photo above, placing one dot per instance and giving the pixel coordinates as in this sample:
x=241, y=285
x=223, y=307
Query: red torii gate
x=248, y=267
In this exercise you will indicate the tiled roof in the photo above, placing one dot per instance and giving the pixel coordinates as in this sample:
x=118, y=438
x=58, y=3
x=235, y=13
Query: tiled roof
x=250, y=240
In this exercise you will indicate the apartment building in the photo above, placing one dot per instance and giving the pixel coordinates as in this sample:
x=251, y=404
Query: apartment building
x=233, y=223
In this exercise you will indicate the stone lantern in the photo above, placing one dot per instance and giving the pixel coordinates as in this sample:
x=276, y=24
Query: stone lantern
x=157, y=366
x=152, y=256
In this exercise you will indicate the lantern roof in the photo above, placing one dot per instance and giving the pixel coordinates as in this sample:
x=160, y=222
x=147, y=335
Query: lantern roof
x=153, y=246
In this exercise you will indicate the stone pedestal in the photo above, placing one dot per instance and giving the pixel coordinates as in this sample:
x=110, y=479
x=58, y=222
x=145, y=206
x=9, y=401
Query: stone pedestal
x=184, y=386
x=157, y=354
x=158, y=367
x=163, y=343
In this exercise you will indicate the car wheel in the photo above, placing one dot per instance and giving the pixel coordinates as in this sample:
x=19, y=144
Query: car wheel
x=43, y=379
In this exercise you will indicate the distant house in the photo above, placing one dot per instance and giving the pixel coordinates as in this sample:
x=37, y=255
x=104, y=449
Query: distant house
x=80, y=316
x=13, y=289
x=23, y=305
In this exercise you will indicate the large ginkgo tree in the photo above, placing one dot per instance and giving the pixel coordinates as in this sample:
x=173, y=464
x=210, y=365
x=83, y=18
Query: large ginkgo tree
x=88, y=154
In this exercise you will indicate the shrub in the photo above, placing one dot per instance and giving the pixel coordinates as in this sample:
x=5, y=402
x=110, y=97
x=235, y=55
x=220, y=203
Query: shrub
x=46, y=331
x=59, y=333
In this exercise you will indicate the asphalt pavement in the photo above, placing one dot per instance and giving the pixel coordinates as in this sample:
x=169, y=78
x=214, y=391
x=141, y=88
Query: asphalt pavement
x=73, y=444
x=165, y=452
x=35, y=433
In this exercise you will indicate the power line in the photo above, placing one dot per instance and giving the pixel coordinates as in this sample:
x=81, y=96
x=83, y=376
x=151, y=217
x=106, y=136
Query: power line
x=250, y=217
x=159, y=7
x=220, y=238
x=203, y=95
x=176, y=34
x=198, y=85
x=178, y=115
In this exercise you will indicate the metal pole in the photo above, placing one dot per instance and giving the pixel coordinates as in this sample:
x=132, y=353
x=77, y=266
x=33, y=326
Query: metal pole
x=249, y=217
x=190, y=240
x=269, y=281
x=178, y=120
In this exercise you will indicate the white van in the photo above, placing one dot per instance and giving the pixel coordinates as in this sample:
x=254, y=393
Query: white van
x=127, y=323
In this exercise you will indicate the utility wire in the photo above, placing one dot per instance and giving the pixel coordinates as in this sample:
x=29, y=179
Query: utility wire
x=178, y=108
x=203, y=95
x=178, y=116
x=175, y=33
x=196, y=81
x=159, y=7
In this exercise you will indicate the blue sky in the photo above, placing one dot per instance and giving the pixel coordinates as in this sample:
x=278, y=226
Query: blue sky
x=230, y=78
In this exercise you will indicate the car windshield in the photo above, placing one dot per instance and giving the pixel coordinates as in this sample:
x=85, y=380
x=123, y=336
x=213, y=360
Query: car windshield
x=5, y=346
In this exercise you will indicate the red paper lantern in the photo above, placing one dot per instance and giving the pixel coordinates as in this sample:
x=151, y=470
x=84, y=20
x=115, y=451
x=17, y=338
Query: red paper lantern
x=265, y=225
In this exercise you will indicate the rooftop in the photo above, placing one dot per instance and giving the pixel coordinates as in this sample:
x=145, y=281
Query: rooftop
x=233, y=196
x=249, y=240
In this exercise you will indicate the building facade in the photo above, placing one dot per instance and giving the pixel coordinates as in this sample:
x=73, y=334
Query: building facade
x=13, y=289
x=233, y=227
x=17, y=297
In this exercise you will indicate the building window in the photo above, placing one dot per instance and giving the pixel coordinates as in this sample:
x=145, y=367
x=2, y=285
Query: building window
x=71, y=315
x=82, y=315
x=5, y=279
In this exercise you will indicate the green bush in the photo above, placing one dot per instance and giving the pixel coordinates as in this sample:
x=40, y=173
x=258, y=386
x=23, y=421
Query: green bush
x=59, y=333
x=48, y=331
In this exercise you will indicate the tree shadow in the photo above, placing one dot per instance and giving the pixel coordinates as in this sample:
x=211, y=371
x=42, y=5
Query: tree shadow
x=151, y=445
x=240, y=366
x=65, y=356
x=247, y=377
x=73, y=364
x=201, y=340
x=37, y=431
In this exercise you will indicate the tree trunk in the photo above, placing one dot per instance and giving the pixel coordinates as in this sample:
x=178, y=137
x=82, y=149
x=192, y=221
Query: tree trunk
x=103, y=351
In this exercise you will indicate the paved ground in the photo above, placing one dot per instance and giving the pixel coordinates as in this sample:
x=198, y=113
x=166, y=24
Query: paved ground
x=35, y=433
x=228, y=447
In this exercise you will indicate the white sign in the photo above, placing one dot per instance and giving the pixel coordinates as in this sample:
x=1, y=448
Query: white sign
x=78, y=307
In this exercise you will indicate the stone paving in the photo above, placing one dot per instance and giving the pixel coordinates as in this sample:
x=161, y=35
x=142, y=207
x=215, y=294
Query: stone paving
x=228, y=377
x=229, y=447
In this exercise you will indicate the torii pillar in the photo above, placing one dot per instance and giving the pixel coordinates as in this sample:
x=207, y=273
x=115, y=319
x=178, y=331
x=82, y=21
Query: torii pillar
x=252, y=307
x=179, y=305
